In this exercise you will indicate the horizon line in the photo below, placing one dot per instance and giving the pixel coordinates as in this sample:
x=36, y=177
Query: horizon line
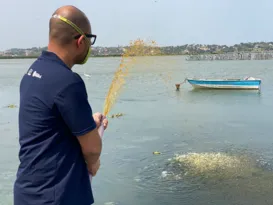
x=174, y=45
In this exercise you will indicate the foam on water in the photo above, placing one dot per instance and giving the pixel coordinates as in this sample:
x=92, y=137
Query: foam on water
x=232, y=172
x=215, y=165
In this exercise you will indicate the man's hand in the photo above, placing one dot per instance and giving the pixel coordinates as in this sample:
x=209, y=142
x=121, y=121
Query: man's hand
x=93, y=168
x=100, y=119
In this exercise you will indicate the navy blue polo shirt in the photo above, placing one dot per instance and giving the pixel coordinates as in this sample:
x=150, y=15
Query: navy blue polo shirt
x=53, y=111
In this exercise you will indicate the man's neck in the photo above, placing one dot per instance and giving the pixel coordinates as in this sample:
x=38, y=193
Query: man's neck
x=62, y=54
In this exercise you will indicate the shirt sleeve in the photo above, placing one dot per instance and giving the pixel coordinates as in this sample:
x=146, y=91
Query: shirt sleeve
x=75, y=110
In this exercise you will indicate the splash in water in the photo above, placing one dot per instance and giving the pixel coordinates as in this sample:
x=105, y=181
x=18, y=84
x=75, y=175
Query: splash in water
x=215, y=165
x=204, y=178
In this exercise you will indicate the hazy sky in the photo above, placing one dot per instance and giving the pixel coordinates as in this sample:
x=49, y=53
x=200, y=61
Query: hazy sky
x=168, y=22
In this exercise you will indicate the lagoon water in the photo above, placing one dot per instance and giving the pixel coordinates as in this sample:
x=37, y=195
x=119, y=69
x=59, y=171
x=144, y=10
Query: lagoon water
x=159, y=118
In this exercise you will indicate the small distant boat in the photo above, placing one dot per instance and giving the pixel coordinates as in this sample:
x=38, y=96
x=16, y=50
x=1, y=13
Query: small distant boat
x=87, y=75
x=248, y=83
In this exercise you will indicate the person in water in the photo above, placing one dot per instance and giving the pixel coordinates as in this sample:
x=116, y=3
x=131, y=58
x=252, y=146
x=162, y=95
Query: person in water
x=58, y=132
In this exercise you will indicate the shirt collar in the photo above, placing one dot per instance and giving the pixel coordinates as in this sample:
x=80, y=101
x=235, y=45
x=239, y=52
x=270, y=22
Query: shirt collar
x=47, y=55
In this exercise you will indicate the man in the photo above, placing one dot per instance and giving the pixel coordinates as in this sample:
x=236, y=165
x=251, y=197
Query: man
x=59, y=140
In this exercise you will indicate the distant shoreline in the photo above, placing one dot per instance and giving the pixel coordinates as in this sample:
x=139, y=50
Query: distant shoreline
x=254, y=50
x=34, y=57
x=266, y=55
x=98, y=56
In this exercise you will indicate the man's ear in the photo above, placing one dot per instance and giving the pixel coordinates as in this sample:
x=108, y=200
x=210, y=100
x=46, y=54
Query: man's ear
x=80, y=41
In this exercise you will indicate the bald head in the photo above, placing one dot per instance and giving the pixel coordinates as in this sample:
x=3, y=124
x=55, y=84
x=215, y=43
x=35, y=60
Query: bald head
x=61, y=32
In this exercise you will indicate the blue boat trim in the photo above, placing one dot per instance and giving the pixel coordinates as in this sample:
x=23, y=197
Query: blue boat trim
x=247, y=83
x=226, y=82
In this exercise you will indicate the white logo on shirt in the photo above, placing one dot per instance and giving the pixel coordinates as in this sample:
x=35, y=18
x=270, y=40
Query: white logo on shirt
x=30, y=72
x=36, y=75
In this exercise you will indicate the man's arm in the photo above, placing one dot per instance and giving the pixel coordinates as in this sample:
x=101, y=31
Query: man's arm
x=91, y=145
x=75, y=110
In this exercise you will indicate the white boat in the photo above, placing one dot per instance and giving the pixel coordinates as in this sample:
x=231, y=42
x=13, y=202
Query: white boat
x=248, y=83
x=87, y=75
